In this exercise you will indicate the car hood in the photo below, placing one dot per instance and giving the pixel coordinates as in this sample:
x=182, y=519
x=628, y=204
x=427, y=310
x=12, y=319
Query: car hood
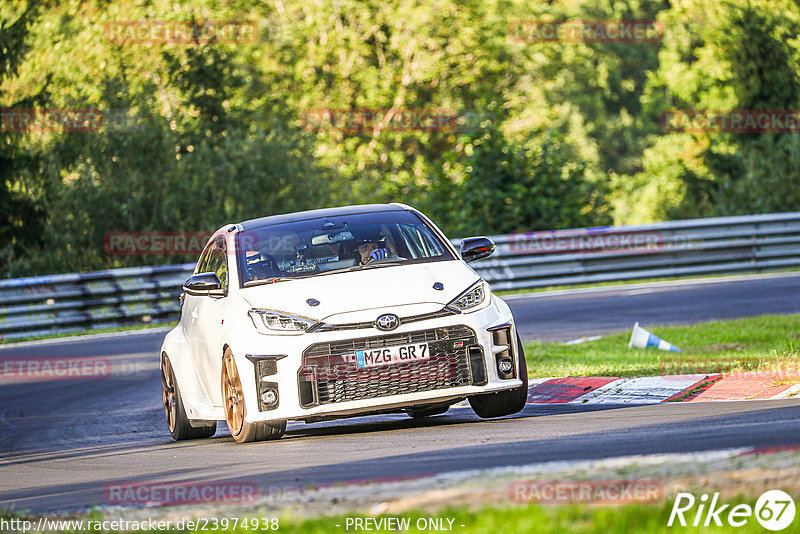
x=381, y=287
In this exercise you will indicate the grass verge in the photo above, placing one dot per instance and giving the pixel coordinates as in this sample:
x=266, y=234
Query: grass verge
x=539, y=519
x=764, y=343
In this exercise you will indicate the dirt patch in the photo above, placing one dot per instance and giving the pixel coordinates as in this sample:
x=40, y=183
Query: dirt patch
x=742, y=475
x=732, y=472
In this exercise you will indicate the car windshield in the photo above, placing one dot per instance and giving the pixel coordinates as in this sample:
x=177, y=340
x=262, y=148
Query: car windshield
x=345, y=242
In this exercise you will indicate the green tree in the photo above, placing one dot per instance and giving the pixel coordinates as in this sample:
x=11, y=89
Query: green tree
x=738, y=55
x=513, y=186
x=21, y=218
x=186, y=144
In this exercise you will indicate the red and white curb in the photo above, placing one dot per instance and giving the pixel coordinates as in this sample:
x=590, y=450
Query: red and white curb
x=656, y=389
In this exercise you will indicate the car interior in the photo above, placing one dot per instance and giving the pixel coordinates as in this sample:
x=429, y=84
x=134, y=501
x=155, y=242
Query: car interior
x=323, y=250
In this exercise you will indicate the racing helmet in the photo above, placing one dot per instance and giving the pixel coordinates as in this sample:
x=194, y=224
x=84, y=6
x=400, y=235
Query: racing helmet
x=366, y=234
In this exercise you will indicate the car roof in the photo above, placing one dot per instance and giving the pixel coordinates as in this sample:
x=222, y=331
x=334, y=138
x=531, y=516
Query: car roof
x=319, y=214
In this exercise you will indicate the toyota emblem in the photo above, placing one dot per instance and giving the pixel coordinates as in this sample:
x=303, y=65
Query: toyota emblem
x=387, y=321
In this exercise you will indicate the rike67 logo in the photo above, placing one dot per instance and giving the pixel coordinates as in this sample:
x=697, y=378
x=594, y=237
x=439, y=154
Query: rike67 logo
x=774, y=510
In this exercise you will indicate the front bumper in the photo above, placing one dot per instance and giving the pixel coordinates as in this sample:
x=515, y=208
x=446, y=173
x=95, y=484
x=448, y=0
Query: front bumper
x=313, y=380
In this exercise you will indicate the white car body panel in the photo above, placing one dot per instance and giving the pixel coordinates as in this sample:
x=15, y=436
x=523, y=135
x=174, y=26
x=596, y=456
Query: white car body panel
x=210, y=324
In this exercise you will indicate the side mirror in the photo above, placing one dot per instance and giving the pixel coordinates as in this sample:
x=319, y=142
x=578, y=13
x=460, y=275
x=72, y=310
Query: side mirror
x=203, y=284
x=476, y=248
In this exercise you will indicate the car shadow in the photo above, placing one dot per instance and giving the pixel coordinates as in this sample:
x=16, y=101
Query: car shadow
x=455, y=416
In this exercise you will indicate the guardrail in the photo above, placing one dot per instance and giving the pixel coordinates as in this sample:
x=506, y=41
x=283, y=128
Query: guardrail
x=668, y=249
x=68, y=302
x=64, y=303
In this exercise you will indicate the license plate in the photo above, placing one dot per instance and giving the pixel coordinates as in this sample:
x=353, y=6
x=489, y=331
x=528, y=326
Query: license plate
x=392, y=355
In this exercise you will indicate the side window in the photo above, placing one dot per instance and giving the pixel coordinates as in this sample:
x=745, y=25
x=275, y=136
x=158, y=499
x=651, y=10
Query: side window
x=203, y=261
x=420, y=242
x=217, y=262
x=432, y=246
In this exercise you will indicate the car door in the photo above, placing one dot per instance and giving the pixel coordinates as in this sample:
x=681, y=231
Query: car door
x=190, y=313
x=204, y=322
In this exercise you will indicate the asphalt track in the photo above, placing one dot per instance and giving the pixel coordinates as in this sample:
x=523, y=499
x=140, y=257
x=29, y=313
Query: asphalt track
x=63, y=441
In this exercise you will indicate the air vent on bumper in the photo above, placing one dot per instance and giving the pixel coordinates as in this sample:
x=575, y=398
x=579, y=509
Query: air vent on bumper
x=503, y=349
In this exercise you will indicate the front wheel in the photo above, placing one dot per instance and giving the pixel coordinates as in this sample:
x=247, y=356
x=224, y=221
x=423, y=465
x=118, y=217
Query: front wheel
x=235, y=410
x=179, y=426
x=504, y=402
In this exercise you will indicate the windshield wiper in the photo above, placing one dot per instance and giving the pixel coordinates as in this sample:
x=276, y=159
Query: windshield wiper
x=270, y=280
x=373, y=265
x=381, y=264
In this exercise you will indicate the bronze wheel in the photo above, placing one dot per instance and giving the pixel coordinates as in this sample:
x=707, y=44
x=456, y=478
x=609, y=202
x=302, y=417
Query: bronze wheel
x=168, y=393
x=232, y=395
x=236, y=410
x=177, y=422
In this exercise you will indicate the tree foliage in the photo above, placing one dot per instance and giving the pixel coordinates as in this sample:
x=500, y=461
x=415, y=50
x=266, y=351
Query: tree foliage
x=21, y=218
x=738, y=55
x=552, y=134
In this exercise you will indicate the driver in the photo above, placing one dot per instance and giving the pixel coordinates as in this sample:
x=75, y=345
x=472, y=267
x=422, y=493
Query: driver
x=371, y=249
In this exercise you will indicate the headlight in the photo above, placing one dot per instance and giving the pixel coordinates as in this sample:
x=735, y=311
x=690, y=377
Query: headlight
x=471, y=298
x=271, y=322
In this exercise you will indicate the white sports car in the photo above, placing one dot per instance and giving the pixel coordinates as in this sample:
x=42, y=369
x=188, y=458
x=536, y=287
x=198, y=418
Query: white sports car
x=336, y=313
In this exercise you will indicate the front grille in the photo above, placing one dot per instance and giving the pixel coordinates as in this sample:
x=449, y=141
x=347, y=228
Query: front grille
x=329, y=373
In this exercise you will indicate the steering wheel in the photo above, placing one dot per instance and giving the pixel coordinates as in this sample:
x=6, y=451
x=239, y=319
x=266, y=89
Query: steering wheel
x=379, y=255
x=287, y=264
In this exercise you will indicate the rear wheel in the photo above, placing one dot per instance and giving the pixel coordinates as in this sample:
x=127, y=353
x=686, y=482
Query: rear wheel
x=236, y=411
x=179, y=426
x=504, y=402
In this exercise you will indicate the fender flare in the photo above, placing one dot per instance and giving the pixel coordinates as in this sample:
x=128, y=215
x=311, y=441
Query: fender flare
x=176, y=348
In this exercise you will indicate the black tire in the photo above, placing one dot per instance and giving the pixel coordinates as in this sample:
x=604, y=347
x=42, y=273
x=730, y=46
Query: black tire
x=260, y=432
x=504, y=402
x=178, y=424
x=236, y=409
x=428, y=411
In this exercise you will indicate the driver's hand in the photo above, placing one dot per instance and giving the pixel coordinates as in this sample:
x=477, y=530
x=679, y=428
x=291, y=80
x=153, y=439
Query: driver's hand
x=378, y=254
